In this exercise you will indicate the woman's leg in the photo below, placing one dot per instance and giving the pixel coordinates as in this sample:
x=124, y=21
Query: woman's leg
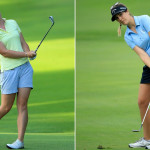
x=7, y=101
x=143, y=101
x=22, y=99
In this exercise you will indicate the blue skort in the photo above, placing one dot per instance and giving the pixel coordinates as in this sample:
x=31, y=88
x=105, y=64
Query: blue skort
x=19, y=77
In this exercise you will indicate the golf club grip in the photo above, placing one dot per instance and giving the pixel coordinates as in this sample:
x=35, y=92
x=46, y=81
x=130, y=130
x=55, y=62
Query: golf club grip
x=33, y=58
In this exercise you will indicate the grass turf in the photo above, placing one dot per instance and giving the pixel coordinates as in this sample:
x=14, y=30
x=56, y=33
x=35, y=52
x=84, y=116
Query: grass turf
x=51, y=104
x=47, y=141
x=108, y=74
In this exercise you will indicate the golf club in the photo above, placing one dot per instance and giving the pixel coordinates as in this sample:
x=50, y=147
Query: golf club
x=143, y=120
x=52, y=20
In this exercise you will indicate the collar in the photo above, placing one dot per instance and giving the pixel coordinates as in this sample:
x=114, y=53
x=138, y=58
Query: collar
x=136, y=23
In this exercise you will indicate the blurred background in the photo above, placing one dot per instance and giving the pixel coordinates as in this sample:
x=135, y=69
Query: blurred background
x=108, y=74
x=51, y=104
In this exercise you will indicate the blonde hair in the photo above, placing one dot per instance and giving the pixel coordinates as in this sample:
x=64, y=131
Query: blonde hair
x=119, y=30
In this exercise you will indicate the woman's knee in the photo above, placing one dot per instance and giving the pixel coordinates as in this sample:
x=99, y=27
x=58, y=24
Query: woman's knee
x=142, y=102
x=22, y=106
x=5, y=109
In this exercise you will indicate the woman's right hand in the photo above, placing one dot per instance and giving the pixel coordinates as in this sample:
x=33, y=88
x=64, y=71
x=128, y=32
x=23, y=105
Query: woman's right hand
x=31, y=54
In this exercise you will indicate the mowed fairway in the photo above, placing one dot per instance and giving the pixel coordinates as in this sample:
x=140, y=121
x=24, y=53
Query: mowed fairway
x=51, y=104
x=108, y=73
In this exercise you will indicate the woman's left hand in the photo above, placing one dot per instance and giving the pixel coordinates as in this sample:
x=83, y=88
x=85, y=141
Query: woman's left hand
x=31, y=54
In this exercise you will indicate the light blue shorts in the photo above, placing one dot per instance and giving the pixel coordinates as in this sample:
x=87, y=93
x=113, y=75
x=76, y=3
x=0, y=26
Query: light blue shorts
x=19, y=77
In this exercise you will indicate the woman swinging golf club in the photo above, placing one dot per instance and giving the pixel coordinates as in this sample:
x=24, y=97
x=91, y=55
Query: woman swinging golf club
x=16, y=75
x=137, y=36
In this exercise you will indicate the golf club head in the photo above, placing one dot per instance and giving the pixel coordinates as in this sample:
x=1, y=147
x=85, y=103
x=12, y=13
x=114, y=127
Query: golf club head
x=52, y=19
x=135, y=130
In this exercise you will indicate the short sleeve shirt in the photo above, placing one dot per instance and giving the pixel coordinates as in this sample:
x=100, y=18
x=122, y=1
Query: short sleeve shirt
x=10, y=37
x=141, y=38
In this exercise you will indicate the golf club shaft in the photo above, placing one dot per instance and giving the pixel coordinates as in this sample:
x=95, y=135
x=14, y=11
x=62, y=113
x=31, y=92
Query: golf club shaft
x=43, y=38
x=142, y=120
x=51, y=18
x=141, y=127
x=145, y=113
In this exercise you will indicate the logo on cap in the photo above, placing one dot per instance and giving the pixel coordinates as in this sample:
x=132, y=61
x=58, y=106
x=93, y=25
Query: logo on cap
x=122, y=8
x=113, y=11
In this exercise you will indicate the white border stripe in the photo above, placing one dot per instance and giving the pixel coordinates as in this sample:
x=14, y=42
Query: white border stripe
x=75, y=76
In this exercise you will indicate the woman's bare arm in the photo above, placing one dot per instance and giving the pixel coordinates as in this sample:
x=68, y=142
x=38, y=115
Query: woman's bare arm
x=143, y=55
x=14, y=54
x=24, y=44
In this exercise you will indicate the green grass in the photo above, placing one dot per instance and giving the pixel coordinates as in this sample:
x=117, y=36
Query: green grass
x=32, y=17
x=47, y=141
x=54, y=55
x=108, y=73
x=51, y=104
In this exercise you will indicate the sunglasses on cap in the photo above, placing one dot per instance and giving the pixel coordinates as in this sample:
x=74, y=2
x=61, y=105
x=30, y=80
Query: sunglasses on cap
x=114, y=5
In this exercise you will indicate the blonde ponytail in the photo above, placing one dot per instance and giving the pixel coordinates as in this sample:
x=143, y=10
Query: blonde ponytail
x=119, y=30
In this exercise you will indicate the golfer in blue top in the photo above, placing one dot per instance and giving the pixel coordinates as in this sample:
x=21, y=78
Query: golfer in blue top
x=137, y=36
